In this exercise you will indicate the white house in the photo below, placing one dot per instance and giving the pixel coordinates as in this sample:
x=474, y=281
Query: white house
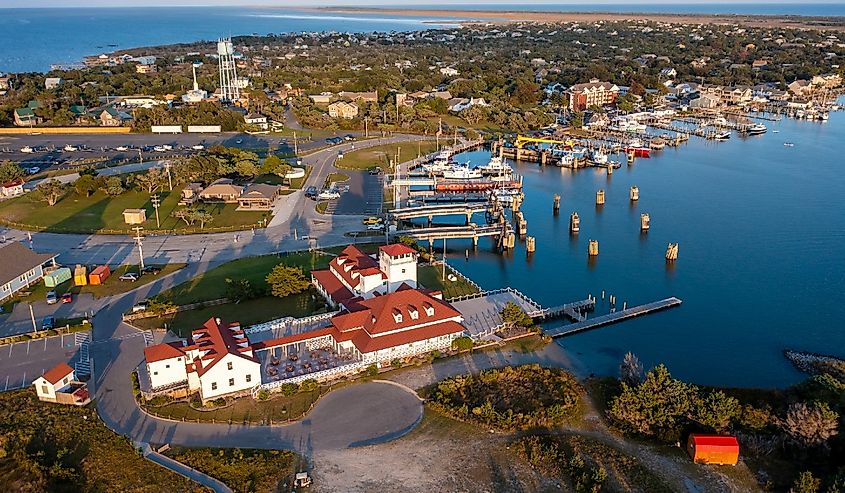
x=355, y=274
x=461, y=104
x=52, y=82
x=449, y=71
x=20, y=268
x=257, y=119
x=59, y=385
x=216, y=361
x=12, y=188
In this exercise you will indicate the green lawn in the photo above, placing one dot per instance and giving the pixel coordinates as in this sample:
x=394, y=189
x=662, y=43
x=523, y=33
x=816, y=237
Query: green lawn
x=295, y=184
x=243, y=470
x=335, y=178
x=430, y=277
x=380, y=155
x=278, y=409
x=103, y=214
x=248, y=312
x=321, y=207
x=212, y=284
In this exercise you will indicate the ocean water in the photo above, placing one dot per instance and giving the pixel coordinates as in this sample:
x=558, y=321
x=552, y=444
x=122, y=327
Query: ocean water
x=773, y=8
x=761, y=230
x=34, y=39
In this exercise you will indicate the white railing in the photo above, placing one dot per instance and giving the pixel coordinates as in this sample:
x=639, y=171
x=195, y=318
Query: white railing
x=282, y=323
x=319, y=376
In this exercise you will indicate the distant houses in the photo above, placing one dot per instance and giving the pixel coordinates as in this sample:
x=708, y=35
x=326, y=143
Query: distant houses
x=342, y=109
x=593, y=93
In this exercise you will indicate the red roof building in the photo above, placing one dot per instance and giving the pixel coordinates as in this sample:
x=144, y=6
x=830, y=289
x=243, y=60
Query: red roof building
x=713, y=449
x=353, y=273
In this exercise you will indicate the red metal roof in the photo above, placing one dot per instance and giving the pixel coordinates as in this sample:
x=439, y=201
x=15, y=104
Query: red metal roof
x=163, y=351
x=332, y=285
x=377, y=315
x=217, y=339
x=714, y=440
x=367, y=344
x=397, y=249
x=58, y=373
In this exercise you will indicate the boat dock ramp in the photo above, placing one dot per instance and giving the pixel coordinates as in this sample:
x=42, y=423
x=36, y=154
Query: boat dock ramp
x=611, y=318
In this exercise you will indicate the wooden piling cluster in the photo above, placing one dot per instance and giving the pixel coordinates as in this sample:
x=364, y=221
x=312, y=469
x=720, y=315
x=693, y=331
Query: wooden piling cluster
x=530, y=244
x=635, y=193
x=600, y=197
x=644, y=221
x=556, y=206
x=574, y=223
x=593, y=248
x=672, y=252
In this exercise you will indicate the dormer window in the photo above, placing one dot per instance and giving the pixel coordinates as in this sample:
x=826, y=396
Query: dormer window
x=397, y=316
x=429, y=310
x=415, y=314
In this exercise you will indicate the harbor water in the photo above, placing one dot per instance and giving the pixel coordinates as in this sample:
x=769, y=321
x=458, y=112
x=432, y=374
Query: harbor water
x=761, y=229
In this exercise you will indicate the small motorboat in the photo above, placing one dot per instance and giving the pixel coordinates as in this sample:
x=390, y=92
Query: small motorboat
x=788, y=144
x=723, y=135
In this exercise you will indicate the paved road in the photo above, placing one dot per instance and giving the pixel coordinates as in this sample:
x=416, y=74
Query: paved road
x=351, y=416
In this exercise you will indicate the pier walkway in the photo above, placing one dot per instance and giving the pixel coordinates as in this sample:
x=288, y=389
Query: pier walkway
x=610, y=318
x=472, y=232
x=482, y=311
x=429, y=211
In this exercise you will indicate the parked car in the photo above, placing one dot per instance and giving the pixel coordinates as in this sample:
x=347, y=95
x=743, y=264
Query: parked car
x=372, y=220
x=48, y=323
x=52, y=299
x=67, y=298
x=375, y=171
x=129, y=276
x=151, y=269
x=198, y=147
x=328, y=195
x=348, y=137
x=375, y=227
x=311, y=192
x=139, y=307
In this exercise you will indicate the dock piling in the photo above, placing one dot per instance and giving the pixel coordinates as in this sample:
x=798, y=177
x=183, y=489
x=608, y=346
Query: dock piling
x=600, y=197
x=672, y=252
x=556, y=203
x=593, y=248
x=574, y=223
x=635, y=193
x=644, y=222
x=530, y=244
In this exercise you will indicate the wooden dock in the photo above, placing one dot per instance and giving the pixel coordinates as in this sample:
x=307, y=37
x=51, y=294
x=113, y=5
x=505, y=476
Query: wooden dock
x=611, y=318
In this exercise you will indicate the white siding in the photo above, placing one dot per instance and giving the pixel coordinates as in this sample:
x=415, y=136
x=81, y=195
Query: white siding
x=167, y=372
x=216, y=381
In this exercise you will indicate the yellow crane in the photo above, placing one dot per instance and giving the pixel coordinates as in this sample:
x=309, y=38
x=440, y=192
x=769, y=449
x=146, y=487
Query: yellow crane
x=521, y=140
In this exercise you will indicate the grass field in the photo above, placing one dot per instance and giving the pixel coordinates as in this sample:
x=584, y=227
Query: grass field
x=430, y=277
x=100, y=213
x=242, y=470
x=212, y=284
x=336, y=178
x=380, y=155
x=278, y=409
x=247, y=312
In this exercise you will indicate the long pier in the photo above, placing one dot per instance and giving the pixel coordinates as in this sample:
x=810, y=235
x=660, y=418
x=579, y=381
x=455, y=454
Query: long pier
x=430, y=211
x=572, y=310
x=452, y=232
x=611, y=318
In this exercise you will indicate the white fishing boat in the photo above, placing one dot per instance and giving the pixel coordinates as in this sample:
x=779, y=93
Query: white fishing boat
x=27, y=150
x=757, y=129
x=70, y=148
x=462, y=172
x=442, y=162
x=496, y=166
x=597, y=157
x=788, y=144
x=723, y=135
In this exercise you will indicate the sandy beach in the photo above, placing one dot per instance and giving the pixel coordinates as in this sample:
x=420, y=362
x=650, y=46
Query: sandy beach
x=473, y=17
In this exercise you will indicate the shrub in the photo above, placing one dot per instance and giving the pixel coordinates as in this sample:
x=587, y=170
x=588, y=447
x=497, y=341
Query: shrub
x=263, y=394
x=371, y=370
x=435, y=354
x=289, y=388
x=462, y=343
x=309, y=385
x=396, y=363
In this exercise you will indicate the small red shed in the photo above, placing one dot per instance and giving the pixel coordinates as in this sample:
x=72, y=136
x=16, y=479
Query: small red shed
x=99, y=275
x=713, y=449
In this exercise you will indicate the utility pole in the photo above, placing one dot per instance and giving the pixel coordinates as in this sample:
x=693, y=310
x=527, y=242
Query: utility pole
x=156, y=203
x=167, y=166
x=366, y=127
x=139, y=239
x=32, y=316
x=444, y=259
x=295, y=151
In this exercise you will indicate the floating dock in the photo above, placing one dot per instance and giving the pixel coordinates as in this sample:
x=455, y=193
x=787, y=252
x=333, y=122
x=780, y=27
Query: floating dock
x=611, y=318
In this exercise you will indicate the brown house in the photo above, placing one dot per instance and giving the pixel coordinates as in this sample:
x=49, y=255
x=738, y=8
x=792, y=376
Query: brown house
x=258, y=197
x=222, y=190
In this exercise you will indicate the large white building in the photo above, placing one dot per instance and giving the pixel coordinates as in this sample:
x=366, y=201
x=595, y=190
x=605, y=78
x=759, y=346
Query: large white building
x=356, y=274
x=217, y=360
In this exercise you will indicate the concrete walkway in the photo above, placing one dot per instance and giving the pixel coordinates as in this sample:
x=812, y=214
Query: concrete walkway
x=184, y=470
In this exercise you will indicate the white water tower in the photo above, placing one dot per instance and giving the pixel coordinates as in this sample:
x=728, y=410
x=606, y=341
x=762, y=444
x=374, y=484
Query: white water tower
x=229, y=90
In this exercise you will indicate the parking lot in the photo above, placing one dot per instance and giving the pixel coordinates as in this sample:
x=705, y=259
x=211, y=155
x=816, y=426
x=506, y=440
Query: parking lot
x=23, y=362
x=363, y=197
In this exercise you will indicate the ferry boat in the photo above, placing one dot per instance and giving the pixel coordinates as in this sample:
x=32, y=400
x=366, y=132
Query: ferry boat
x=27, y=150
x=723, y=135
x=756, y=129
x=462, y=172
x=496, y=166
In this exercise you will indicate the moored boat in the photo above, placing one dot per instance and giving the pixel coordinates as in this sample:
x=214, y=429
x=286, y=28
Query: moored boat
x=462, y=172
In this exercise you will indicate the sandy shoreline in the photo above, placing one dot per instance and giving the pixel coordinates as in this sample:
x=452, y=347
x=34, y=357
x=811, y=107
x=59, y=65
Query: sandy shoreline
x=473, y=16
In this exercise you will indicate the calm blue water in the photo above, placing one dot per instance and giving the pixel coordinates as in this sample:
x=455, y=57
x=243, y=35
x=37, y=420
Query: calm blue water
x=810, y=9
x=33, y=39
x=761, y=229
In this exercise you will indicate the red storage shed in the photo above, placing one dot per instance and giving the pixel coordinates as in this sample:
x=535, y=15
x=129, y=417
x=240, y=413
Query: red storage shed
x=713, y=449
x=99, y=275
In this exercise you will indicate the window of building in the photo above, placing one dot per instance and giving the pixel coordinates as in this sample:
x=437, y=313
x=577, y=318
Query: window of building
x=22, y=278
x=403, y=271
x=248, y=378
x=167, y=366
x=213, y=385
x=65, y=381
x=229, y=365
x=44, y=389
x=155, y=373
x=231, y=382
